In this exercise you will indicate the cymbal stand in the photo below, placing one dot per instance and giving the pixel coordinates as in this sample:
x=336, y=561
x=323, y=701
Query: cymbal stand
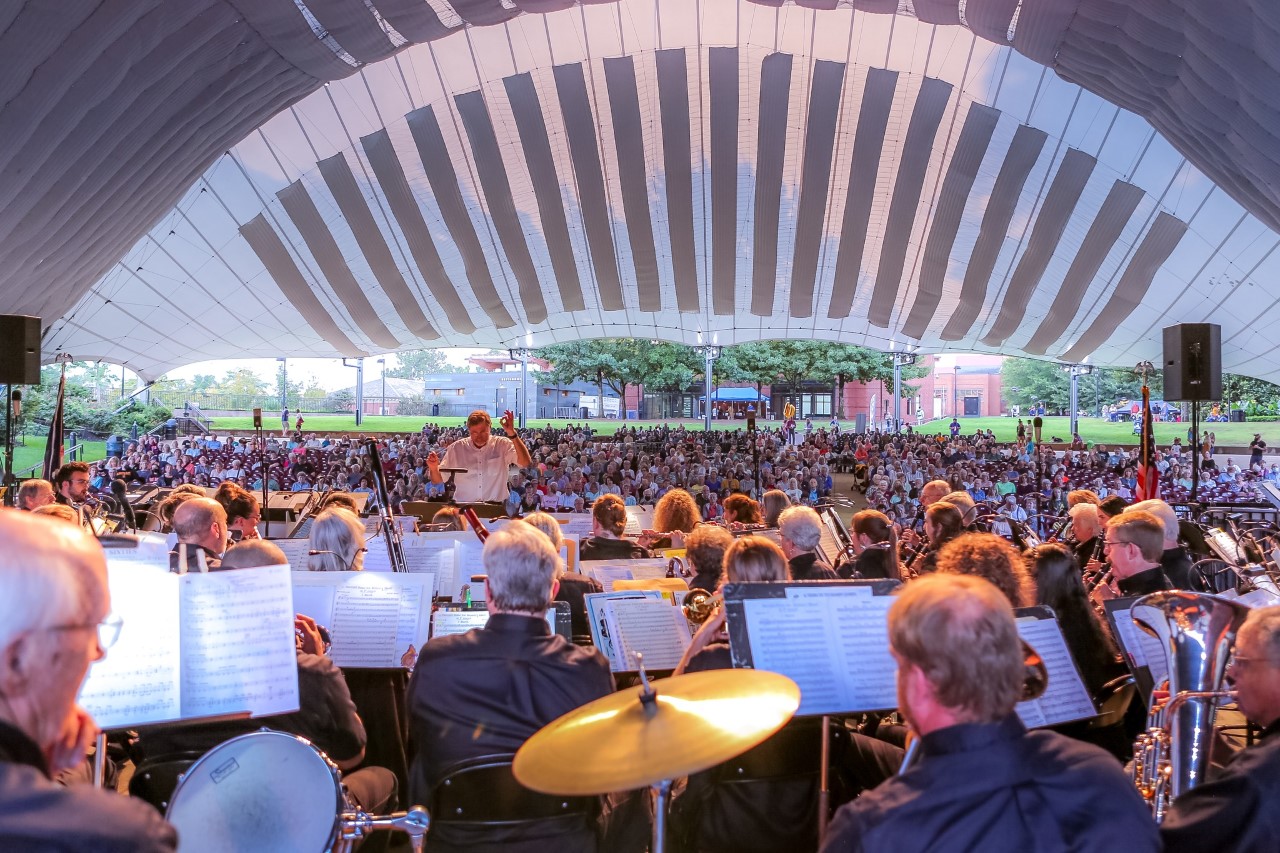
x=824, y=784
x=356, y=825
x=662, y=788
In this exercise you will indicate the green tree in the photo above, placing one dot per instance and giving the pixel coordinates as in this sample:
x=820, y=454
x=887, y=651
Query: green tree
x=612, y=362
x=419, y=364
x=1028, y=381
x=242, y=381
x=341, y=401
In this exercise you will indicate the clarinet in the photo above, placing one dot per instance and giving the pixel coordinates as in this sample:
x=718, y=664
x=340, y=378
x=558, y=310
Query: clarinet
x=395, y=547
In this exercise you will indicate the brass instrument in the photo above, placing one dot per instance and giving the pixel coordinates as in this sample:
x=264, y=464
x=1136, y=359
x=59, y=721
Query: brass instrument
x=1197, y=631
x=700, y=605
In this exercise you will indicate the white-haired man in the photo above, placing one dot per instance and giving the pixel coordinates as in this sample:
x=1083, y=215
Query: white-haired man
x=54, y=622
x=487, y=691
x=1235, y=811
x=33, y=494
x=800, y=530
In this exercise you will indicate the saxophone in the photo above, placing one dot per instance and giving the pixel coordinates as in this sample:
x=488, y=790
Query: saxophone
x=1197, y=631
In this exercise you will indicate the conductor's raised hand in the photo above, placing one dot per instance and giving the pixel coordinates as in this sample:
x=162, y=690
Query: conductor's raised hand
x=509, y=423
x=433, y=460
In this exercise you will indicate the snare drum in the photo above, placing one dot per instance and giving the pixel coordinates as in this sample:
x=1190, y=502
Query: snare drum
x=261, y=791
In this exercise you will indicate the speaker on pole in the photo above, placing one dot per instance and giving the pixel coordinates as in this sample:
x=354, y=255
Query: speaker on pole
x=1193, y=362
x=19, y=350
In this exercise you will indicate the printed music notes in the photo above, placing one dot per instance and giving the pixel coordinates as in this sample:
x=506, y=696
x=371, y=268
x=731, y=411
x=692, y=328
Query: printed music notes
x=1066, y=698
x=448, y=622
x=194, y=645
x=1143, y=651
x=829, y=638
x=642, y=620
x=605, y=573
x=372, y=617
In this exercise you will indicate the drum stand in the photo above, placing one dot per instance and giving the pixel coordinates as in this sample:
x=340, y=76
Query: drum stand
x=356, y=825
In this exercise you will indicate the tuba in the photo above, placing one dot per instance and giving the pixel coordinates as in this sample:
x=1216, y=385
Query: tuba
x=1197, y=631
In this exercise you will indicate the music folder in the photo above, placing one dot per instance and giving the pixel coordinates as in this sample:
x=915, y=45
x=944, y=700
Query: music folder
x=828, y=637
x=1143, y=652
x=1066, y=699
x=456, y=618
x=623, y=623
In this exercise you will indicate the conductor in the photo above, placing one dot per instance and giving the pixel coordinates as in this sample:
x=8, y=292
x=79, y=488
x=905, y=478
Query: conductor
x=487, y=459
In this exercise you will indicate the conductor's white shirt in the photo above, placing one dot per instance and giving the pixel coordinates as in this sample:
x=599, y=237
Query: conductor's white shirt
x=488, y=468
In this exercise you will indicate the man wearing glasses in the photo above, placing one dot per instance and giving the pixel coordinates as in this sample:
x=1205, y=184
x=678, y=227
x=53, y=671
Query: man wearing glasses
x=54, y=622
x=1235, y=811
x=71, y=484
x=1133, y=546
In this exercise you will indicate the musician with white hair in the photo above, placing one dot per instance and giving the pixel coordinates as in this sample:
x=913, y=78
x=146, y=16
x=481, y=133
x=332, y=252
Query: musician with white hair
x=983, y=782
x=55, y=622
x=801, y=531
x=1235, y=812
x=1086, y=528
x=487, y=691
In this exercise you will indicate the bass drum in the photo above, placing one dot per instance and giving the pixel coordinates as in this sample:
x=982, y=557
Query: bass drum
x=261, y=791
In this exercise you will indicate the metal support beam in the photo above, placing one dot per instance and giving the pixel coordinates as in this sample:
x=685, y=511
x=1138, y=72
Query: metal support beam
x=900, y=360
x=709, y=352
x=522, y=399
x=359, y=368
x=1076, y=371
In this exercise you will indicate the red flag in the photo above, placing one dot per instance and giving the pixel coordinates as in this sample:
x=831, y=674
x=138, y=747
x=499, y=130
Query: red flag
x=53, y=448
x=1148, y=474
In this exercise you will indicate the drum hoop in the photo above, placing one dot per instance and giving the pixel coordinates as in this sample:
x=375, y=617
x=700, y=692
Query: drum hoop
x=340, y=800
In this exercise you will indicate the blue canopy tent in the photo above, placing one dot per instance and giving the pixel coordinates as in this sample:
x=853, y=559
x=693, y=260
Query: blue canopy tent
x=735, y=395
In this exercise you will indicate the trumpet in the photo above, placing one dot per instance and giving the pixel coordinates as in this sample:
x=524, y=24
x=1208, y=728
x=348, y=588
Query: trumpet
x=700, y=605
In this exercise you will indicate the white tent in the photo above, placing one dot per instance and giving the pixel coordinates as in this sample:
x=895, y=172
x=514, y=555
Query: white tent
x=1059, y=178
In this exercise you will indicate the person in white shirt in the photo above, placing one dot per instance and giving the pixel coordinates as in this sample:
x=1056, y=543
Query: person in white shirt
x=487, y=458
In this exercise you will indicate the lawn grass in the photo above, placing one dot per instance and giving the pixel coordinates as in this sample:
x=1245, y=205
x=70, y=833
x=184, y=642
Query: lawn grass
x=1092, y=430
x=32, y=453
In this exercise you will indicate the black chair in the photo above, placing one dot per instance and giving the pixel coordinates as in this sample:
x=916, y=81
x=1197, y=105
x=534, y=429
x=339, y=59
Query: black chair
x=764, y=800
x=155, y=779
x=479, y=806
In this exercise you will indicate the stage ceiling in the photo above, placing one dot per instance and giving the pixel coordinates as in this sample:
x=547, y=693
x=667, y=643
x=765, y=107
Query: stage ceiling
x=182, y=181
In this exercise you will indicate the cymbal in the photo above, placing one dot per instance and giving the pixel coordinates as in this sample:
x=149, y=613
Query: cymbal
x=618, y=742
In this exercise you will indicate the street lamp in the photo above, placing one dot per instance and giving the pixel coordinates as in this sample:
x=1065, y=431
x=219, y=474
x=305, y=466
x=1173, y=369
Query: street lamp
x=1076, y=371
x=900, y=360
x=709, y=353
x=955, y=391
x=284, y=382
x=382, y=409
x=522, y=400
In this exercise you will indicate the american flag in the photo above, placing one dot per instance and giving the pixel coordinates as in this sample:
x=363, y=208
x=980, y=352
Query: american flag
x=53, y=448
x=1148, y=474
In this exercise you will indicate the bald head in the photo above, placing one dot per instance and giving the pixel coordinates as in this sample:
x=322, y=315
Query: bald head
x=53, y=575
x=203, y=522
x=933, y=491
x=253, y=553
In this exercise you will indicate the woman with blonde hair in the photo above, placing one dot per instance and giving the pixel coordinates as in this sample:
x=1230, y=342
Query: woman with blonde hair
x=675, y=514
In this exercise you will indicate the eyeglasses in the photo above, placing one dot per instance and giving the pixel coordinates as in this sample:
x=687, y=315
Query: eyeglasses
x=1116, y=542
x=108, y=630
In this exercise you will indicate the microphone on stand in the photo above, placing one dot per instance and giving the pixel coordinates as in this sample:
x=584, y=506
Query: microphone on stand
x=118, y=489
x=15, y=402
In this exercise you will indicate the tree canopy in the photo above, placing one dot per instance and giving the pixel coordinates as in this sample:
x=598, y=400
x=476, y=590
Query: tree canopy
x=419, y=364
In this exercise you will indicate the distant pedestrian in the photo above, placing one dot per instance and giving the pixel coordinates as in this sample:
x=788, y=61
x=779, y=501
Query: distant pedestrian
x=284, y=421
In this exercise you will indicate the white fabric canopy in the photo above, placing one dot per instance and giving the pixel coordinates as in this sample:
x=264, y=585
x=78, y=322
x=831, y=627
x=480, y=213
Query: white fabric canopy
x=232, y=179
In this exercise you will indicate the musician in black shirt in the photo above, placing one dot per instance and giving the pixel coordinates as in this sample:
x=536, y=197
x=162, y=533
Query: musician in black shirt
x=487, y=691
x=704, y=551
x=1134, y=543
x=801, y=531
x=608, y=520
x=983, y=782
x=1235, y=812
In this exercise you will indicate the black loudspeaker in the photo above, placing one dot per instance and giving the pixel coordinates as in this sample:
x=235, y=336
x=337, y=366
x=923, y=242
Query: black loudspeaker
x=19, y=350
x=1193, y=362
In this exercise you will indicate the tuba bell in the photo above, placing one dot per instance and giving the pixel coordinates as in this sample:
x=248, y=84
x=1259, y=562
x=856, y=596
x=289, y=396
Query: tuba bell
x=1197, y=631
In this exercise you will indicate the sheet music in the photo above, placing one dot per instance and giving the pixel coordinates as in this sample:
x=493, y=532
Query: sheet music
x=578, y=524
x=1066, y=697
x=137, y=682
x=238, y=648
x=639, y=519
x=603, y=631
x=606, y=572
x=295, y=551
x=446, y=623
x=832, y=642
x=1141, y=648
x=468, y=561
x=372, y=617
x=650, y=626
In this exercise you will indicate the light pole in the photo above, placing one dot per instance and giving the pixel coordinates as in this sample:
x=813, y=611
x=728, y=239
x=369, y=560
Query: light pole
x=284, y=383
x=522, y=402
x=955, y=392
x=359, y=368
x=382, y=409
x=900, y=360
x=1076, y=371
x=709, y=353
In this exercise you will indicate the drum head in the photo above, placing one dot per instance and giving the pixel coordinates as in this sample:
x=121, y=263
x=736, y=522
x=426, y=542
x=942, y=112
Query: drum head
x=261, y=791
